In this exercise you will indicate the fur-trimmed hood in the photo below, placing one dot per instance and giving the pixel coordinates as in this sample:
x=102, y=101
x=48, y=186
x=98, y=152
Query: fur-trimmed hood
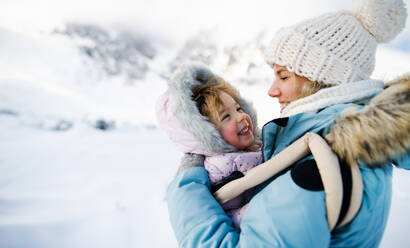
x=378, y=132
x=179, y=117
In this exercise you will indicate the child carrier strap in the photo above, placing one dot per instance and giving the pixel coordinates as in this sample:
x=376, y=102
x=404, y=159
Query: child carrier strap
x=330, y=173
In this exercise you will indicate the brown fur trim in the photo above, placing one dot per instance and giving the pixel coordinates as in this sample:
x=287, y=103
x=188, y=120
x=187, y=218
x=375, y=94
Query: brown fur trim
x=378, y=132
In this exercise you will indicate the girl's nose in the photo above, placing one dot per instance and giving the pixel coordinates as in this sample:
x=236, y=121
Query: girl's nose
x=241, y=117
x=273, y=90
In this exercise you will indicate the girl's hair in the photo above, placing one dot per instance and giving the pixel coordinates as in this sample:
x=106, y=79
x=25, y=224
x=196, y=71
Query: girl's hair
x=207, y=97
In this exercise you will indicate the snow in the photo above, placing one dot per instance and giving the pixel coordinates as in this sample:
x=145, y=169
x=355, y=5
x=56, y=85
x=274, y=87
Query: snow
x=82, y=162
x=84, y=187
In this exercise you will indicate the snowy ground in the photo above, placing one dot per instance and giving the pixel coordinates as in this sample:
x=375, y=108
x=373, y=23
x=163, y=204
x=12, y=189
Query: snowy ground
x=84, y=187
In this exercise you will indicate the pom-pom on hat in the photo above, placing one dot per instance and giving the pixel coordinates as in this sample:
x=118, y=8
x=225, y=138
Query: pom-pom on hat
x=338, y=48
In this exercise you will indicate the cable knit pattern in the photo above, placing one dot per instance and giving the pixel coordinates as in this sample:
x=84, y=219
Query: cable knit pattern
x=324, y=50
x=338, y=48
x=351, y=92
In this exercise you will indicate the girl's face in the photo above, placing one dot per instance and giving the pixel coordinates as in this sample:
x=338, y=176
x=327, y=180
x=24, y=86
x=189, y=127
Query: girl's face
x=235, y=125
x=287, y=86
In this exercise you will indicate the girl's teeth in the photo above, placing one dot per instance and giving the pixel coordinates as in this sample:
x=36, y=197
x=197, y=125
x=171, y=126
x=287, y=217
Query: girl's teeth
x=244, y=131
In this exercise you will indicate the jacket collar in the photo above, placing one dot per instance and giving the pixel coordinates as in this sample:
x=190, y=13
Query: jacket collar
x=344, y=93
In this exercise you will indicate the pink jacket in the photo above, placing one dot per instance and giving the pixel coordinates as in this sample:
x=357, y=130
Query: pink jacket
x=222, y=165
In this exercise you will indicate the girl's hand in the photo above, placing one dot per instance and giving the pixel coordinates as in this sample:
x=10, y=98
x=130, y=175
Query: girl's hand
x=190, y=160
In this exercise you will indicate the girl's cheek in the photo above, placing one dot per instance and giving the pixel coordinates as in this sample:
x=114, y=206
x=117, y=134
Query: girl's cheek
x=250, y=121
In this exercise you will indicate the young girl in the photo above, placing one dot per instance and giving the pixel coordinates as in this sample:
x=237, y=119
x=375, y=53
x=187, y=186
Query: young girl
x=221, y=125
x=217, y=100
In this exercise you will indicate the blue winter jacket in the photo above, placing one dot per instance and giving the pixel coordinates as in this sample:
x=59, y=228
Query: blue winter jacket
x=287, y=211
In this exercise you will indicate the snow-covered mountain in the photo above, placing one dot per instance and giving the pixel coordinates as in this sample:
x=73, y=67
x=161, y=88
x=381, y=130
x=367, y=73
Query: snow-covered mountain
x=81, y=73
x=241, y=62
x=106, y=77
x=92, y=74
x=114, y=53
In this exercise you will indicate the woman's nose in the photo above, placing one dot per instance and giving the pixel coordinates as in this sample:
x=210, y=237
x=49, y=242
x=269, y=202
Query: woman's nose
x=273, y=90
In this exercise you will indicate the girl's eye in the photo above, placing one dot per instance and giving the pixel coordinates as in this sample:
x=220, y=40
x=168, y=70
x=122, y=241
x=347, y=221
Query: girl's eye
x=225, y=117
x=283, y=78
x=239, y=109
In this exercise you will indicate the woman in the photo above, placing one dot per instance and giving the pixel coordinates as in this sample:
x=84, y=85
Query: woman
x=322, y=68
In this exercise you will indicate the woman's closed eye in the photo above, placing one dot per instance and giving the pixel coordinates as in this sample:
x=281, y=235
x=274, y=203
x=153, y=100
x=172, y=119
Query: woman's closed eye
x=283, y=76
x=239, y=109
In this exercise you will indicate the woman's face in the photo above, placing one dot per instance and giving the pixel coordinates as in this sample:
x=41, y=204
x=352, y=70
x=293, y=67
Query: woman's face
x=287, y=86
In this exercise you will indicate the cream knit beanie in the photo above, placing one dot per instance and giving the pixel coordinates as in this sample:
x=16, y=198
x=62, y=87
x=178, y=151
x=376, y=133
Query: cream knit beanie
x=339, y=47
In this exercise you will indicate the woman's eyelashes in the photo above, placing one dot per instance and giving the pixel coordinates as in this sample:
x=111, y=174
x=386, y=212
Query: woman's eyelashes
x=283, y=76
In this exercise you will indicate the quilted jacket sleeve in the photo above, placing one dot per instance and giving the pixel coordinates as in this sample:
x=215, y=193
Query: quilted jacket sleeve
x=196, y=217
